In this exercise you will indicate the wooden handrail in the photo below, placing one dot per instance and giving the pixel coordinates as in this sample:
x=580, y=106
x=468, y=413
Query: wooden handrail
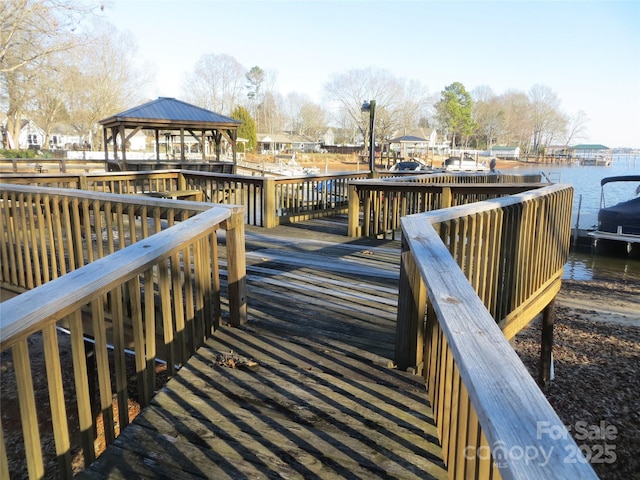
x=492, y=418
x=381, y=203
x=161, y=285
x=268, y=201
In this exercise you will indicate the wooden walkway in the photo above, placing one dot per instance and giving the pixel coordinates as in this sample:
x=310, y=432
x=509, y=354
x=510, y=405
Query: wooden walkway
x=321, y=400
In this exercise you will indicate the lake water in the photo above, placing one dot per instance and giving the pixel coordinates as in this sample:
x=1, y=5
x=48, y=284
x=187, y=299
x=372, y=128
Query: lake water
x=586, y=183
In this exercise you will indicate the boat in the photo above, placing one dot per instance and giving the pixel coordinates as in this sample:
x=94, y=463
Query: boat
x=466, y=164
x=619, y=224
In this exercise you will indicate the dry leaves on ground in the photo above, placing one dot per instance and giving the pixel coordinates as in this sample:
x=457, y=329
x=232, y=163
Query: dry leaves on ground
x=597, y=373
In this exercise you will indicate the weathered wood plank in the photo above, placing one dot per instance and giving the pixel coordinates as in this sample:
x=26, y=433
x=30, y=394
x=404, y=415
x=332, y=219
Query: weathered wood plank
x=322, y=401
x=284, y=421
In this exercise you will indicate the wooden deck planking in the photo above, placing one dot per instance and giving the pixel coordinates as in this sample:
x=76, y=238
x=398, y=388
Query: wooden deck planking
x=322, y=401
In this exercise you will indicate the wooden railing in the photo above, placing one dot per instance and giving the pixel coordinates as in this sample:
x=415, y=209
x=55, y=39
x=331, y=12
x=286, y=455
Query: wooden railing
x=471, y=277
x=124, y=272
x=271, y=201
x=268, y=201
x=50, y=165
x=376, y=206
x=87, y=165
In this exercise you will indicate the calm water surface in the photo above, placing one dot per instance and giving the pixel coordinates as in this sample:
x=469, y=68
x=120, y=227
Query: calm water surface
x=586, y=183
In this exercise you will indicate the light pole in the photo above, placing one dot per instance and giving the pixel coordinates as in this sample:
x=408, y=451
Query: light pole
x=370, y=107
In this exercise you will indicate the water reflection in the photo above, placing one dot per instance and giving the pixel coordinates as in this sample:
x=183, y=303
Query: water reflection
x=589, y=266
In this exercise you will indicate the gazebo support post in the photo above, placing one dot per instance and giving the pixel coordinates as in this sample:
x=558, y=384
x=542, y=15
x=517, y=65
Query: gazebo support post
x=182, y=156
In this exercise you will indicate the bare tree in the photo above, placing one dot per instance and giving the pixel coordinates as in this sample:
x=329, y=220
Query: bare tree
x=577, y=127
x=17, y=88
x=545, y=119
x=103, y=79
x=489, y=117
x=255, y=79
x=47, y=104
x=30, y=32
x=216, y=83
x=399, y=103
x=270, y=116
x=517, y=121
x=482, y=93
x=303, y=116
x=410, y=104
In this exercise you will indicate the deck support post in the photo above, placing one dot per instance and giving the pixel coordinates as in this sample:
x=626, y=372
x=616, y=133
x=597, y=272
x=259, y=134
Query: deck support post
x=412, y=303
x=546, y=344
x=269, y=203
x=236, y=269
x=354, y=229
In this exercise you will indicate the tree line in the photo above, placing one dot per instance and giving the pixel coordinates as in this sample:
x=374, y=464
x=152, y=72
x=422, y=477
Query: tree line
x=63, y=66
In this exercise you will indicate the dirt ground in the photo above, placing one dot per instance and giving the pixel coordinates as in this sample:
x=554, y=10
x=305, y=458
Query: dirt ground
x=596, y=358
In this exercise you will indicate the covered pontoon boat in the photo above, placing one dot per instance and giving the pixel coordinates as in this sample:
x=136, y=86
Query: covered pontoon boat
x=618, y=225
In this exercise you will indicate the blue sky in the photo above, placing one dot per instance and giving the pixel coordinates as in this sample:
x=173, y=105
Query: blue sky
x=587, y=52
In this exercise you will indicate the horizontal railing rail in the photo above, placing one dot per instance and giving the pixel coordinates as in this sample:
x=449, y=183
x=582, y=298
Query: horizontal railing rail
x=268, y=201
x=51, y=165
x=467, y=271
x=271, y=201
x=376, y=206
x=127, y=272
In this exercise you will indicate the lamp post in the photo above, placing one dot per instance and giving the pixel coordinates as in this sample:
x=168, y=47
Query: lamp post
x=370, y=107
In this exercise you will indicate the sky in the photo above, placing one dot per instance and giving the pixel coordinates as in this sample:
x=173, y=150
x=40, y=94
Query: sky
x=587, y=52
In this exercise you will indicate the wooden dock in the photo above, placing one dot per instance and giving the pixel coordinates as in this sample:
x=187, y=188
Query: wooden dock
x=306, y=389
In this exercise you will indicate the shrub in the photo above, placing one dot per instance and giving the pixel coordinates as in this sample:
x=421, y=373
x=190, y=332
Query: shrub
x=18, y=153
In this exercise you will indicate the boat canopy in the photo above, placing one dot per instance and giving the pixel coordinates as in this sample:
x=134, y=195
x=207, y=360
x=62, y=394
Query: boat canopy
x=623, y=178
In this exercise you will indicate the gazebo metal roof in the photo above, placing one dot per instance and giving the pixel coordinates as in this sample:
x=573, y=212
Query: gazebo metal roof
x=169, y=112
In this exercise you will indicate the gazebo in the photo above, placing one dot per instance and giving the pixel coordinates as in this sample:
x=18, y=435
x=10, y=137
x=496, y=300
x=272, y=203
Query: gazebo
x=171, y=118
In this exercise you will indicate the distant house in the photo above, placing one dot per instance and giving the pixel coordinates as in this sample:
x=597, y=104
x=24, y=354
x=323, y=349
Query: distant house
x=328, y=138
x=505, y=152
x=138, y=141
x=31, y=136
x=280, y=142
x=409, y=145
x=429, y=134
x=418, y=141
x=437, y=145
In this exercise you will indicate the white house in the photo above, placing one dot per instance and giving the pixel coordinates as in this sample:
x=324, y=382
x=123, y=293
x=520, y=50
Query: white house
x=138, y=141
x=279, y=142
x=31, y=136
x=505, y=152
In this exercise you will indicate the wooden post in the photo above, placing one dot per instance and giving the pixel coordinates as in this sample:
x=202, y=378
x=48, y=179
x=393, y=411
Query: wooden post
x=182, y=182
x=447, y=197
x=269, y=203
x=354, y=229
x=182, y=157
x=412, y=301
x=123, y=145
x=106, y=148
x=83, y=184
x=236, y=269
x=546, y=344
x=92, y=373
